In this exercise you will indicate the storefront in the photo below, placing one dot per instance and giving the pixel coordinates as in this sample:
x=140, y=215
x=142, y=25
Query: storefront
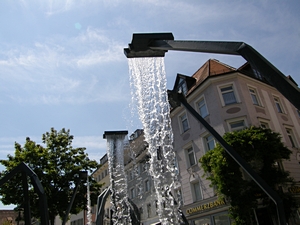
x=295, y=191
x=212, y=211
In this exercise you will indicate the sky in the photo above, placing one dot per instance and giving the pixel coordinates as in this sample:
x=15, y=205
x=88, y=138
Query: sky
x=62, y=63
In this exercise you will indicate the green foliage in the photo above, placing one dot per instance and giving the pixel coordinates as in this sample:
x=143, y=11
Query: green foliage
x=263, y=150
x=56, y=163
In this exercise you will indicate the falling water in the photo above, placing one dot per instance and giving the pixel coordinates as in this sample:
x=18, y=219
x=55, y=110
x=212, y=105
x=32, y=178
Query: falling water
x=119, y=197
x=148, y=85
x=89, y=208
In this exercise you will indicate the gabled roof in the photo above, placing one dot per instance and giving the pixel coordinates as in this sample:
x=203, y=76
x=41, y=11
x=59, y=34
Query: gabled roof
x=211, y=68
x=190, y=81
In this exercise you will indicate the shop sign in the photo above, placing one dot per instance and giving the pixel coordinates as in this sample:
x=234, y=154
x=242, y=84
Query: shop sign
x=203, y=207
x=294, y=189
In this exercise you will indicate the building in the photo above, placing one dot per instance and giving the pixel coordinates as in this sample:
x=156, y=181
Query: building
x=8, y=216
x=100, y=175
x=228, y=99
x=140, y=185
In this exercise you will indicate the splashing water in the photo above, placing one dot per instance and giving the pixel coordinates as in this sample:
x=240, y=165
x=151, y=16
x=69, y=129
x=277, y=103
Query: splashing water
x=148, y=87
x=89, y=208
x=119, y=197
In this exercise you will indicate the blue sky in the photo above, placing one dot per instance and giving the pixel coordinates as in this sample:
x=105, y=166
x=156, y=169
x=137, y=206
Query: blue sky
x=62, y=63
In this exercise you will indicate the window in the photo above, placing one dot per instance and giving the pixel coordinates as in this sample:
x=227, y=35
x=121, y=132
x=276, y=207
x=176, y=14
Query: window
x=201, y=105
x=137, y=169
x=141, y=210
x=130, y=174
x=264, y=125
x=278, y=105
x=254, y=96
x=291, y=137
x=132, y=192
x=196, y=191
x=228, y=95
x=191, y=156
x=184, y=122
x=149, y=210
x=182, y=87
x=221, y=218
x=257, y=74
x=147, y=185
x=237, y=124
x=176, y=166
x=298, y=111
x=209, y=142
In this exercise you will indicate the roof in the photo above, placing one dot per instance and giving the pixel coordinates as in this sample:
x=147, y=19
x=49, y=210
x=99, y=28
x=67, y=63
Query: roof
x=211, y=68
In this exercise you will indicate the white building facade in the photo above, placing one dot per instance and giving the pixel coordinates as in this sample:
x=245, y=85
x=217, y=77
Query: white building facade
x=228, y=99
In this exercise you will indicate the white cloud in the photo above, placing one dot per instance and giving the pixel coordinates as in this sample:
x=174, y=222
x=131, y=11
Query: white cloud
x=53, y=72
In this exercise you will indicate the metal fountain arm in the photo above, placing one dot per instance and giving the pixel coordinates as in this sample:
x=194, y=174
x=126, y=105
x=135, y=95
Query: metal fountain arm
x=27, y=171
x=151, y=45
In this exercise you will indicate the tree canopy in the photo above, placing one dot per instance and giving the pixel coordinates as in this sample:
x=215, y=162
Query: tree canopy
x=264, y=151
x=57, y=164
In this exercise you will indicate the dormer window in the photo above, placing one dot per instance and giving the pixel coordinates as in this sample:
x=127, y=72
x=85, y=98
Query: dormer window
x=182, y=87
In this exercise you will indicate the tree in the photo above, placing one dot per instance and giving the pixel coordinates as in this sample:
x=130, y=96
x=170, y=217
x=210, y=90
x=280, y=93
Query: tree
x=56, y=164
x=263, y=150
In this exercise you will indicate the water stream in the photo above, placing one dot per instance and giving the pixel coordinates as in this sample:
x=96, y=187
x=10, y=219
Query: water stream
x=119, y=196
x=148, y=88
x=89, y=208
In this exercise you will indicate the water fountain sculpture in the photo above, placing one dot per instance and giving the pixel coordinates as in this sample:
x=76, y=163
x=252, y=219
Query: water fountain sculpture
x=123, y=210
x=27, y=171
x=157, y=44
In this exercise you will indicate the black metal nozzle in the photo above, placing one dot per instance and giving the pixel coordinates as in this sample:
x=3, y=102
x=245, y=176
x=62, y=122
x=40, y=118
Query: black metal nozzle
x=124, y=132
x=141, y=45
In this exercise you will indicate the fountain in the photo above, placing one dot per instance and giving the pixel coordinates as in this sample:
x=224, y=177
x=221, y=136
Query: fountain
x=157, y=44
x=119, y=197
x=148, y=82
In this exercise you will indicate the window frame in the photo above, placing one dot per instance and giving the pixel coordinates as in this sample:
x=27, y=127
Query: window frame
x=181, y=122
x=149, y=210
x=202, y=98
x=147, y=188
x=265, y=122
x=235, y=93
x=132, y=193
x=205, y=141
x=291, y=137
x=278, y=105
x=256, y=95
x=188, y=159
x=193, y=189
x=235, y=120
x=182, y=86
